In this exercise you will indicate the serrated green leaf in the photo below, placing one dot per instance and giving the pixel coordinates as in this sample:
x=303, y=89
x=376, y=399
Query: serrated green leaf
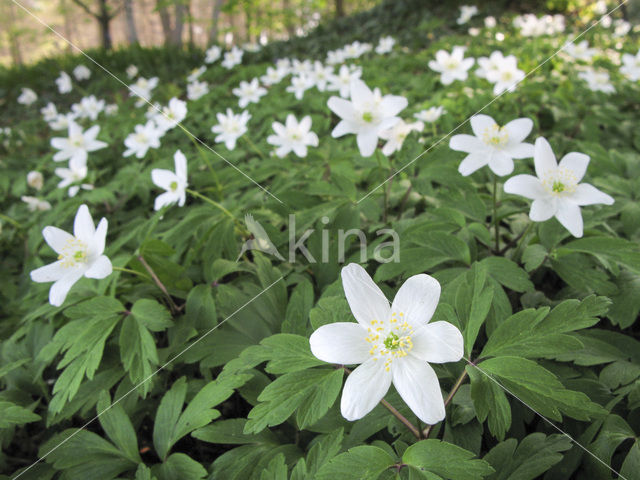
x=445, y=460
x=12, y=414
x=359, y=463
x=151, y=314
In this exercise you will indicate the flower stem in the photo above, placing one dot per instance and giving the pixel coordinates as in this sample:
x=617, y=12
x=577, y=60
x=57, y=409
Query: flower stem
x=522, y=237
x=433, y=129
x=133, y=272
x=253, y=145
x=453, y=391
x=10, y=220
x=496, y=223
x=211, y=202
x=174, y=307
x=204, y=156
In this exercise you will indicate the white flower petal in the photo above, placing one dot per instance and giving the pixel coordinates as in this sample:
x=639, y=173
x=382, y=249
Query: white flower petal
x=367, y=142
x=83, y=228
x=418, y=385
x=543, y=209
x=587, y=194
x=97, y=242
x=473, y=162
x=180, y=162
x=570, y=217
x=466, y=143
x=343, y=343
x=56, y=238
x=518, y=129
x=101, y=268
x=417, y=299
x=438, y=342
x=500, y=164
x=342, y=128
x=520, y=150
x=163, y=178
x=543, y=157
x=576, y=162
x=49, y=273
x=364, y=388
x=525, y=185
x=61, y=287
x=480, y=123
x=341, y=107
x=366, y=300
x=164, y=199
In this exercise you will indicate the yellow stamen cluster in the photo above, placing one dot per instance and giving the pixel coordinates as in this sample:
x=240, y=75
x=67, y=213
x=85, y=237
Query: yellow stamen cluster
x=495, y=136
x=390, y=339
x=73, y=253
x=560, y=182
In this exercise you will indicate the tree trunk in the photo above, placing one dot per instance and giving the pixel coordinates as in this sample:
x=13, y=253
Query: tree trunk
x=132, y=34
x=165, y=20
x=176, y=37
x=14, y=44
x=215, y=21
x=339, y=8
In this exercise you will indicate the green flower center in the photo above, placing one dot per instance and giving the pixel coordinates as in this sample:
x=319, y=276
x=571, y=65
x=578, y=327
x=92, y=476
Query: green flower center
x=392, y=341
x=173, y=186
x=367, y=117
x=558, y=187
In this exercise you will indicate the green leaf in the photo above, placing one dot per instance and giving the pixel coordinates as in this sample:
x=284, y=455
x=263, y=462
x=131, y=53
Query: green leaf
x=288, y=353
x=490, y=402
x=172, y=423
x=535, y=333
x=313, y=391
x=151, y=314
x=473, y=301
x=330, y=310
x=231, y=432
x=138, y=352
x=540, y=389
x=359, y=463
x=608, y=248
x=533, y=256
x=118, y=427
x=12, y=414
x=536, y=454
x=276, y=470
x=508, y=274
x=200, y=307
x=324, y=449
x=296, y=319
x=446, y=460
x=179, y=465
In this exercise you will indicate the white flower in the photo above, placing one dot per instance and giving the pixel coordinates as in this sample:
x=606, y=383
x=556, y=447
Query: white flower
x=35, y=180
x=321, y=75
x=89, y=107
x=284, y=64
x=466, y=12
x=342, y=81
x=493, y=145
x=62, y=122
x=64, y=83
x=142, y=89
x=171, y=115
x=49, y=113
x=273, y=76
x=335, y=57
x=580, y=51
x=490, y=63
x=230, y=127
x=299, y=85
x=195, y=90
x=132, y=71
x=144, y=137
x=474, y=31
x=600, y=7
x=232, y=58
x=396, y=135
x=490, y=22
x=34, y=203
x=385, y=45
x=304, y=67
x=81, y=73
x=80, y=254
x=631, y=67
x=27, y=96
x=366, y=115
x=597, y=81
x=175, y=183
x=293, y=136
x=622, y=27
x=196, y=73
x=391, y=344
x=73, y=175
x=452, y=66
x=556, y=191
x=111, y=109
x=77, y=145
x=355, y=49
x=430, y=115
x=213, y=54
x=506, y=75
x=249, y=92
